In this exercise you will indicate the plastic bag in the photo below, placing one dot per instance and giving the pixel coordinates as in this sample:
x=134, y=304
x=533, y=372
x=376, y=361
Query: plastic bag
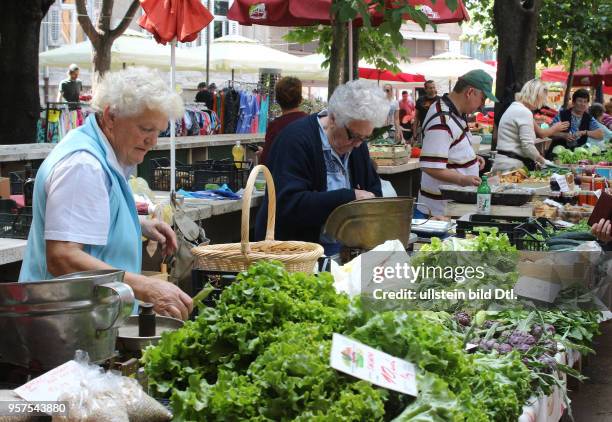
x=105, y=396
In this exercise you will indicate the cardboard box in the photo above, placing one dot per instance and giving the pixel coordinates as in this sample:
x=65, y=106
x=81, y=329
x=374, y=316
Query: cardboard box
x=565, y=268
x=5, y=187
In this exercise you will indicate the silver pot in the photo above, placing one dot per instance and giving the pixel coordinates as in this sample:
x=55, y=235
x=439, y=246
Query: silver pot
x=44, y=322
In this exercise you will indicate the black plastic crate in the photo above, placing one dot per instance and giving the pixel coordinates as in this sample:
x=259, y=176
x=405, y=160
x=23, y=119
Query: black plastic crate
x=17, y=179
x=15, y=224
x=532, y=235
x=504, y=224
x=218, y=279
x=160, y=175
x=232, y=173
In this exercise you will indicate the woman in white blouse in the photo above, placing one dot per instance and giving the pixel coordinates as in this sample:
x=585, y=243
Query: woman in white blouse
x=516, y=133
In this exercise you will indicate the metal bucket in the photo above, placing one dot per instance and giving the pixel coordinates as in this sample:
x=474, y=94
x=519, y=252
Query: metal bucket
x=44, y=322
x=367, y=223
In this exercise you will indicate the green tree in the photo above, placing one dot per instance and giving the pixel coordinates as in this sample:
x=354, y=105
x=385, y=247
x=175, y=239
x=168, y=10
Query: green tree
x=381, y=45
x=573, y=32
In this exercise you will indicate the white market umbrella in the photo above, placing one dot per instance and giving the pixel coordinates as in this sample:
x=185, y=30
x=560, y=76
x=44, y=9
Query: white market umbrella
x=133, y=48
x=235, y=52
x=448, y=67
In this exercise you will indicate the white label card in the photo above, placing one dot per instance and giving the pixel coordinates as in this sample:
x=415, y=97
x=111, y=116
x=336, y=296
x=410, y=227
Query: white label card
x=51, y=385
x=366, y=363
x=534, y=288
x=562, y=181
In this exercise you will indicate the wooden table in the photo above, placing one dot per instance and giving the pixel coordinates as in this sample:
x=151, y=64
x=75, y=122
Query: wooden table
x=457, y=210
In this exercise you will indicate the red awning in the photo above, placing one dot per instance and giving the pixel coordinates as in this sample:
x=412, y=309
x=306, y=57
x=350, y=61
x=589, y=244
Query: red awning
x=554, y=74
x=582, y=77
x=170, y=19
x=385, y=75
x=314, y=12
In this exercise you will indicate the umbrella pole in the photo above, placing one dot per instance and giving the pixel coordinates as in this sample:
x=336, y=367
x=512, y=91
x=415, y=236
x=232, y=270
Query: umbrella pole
x=350, y=49
x=172, y=123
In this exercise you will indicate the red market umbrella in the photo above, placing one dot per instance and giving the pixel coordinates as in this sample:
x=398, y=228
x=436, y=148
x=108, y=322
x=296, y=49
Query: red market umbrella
x=582, y=77
x=554, y=74
x=169, y=21
x=315, y=12
x=385, y=75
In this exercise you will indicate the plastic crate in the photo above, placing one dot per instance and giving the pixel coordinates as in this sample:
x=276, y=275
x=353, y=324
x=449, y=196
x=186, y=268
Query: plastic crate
x=17, y=179
x=525, y=235
x=15, y=224
x=160, y=175
x=218, y=279
x=232, y=173
x=504, y=224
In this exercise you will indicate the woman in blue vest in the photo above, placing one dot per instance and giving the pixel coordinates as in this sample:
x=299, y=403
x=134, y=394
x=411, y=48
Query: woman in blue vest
x=581, y=124
x=84, y=215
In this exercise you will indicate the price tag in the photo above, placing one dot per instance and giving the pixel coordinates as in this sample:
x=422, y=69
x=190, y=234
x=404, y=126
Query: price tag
x=51, y=385
x=366, y=363
x=562, y=181
x=534, y=288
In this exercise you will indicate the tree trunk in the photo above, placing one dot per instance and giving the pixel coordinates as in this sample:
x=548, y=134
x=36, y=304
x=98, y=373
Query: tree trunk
x=19, y=91
x=101, y=58
x=516, y=25
x=356, y=56
x=337, y=56
x=570, y=79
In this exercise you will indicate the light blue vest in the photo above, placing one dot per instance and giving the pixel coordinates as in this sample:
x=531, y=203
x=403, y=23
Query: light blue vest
x=124, y=248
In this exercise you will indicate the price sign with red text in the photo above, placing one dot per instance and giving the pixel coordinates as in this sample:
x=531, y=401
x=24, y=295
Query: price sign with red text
x=364, y=362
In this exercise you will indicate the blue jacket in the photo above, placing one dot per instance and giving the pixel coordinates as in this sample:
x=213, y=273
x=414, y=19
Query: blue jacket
x=124, y=248
x=300, y=177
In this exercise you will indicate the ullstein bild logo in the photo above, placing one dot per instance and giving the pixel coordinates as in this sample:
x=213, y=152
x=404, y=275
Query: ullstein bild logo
x=258, y=11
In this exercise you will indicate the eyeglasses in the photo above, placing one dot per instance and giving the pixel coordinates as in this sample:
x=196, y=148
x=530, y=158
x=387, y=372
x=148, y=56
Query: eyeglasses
x=355, y=138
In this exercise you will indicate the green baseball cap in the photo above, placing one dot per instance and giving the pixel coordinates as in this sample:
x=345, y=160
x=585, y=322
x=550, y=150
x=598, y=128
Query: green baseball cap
x=481, y=80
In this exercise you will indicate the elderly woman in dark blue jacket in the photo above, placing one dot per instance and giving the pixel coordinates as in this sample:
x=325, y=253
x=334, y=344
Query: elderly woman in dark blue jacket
x=322, y=161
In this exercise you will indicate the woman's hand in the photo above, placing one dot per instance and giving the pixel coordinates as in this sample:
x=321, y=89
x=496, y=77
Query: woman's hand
x=167, y=298
x=559, y=127
x=161, y=232
x=603, y=230
x=467, y=180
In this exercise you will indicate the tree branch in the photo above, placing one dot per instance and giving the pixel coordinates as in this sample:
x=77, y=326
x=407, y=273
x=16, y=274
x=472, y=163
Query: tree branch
x=105, y=17
x=85, y=22
x=125, y=22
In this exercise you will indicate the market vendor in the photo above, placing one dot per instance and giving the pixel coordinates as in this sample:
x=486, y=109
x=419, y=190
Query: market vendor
x=84, y=215
x=322, y=161
x=447, y=157
x=581, y=124
x=516, y=135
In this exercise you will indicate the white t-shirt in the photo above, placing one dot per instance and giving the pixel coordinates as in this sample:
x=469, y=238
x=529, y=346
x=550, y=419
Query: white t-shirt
x=78, y=191
x=391, y=116
x=446, y=144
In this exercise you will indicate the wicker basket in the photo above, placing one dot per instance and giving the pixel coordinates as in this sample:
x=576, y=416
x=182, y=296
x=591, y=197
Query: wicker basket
x=296, y=256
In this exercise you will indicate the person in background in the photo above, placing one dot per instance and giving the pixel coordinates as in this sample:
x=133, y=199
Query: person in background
x=393, y=116
x=288, y=93
x=581, y=124
x=322, y=161
x=447, y=157
x=597, y=111
x=516, y=134
x=71, y=87
x=84, y=215
x=607, y=117
x=406, y=115
x=204, y=95
x=422, y=106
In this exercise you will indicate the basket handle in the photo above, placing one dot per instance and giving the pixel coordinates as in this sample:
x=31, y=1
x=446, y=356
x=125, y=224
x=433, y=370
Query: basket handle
x=246, y=207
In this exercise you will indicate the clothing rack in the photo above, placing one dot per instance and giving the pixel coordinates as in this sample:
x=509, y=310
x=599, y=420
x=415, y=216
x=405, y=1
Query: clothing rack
x=60, y=106
x=256, y=86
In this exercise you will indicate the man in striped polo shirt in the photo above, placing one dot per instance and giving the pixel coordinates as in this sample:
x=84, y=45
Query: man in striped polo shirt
x=447, y=157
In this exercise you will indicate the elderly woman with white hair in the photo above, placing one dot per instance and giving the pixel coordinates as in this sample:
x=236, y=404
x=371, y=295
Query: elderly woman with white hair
x=84, y=215
x=322, y=161
x=516, y=133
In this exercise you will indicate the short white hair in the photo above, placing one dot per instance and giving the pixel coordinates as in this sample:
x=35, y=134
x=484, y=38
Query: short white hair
x=534, y=92
x=133, y=90
x=359, y=100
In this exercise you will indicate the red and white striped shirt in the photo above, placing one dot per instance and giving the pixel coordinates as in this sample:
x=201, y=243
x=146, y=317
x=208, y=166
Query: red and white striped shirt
x=446, y=145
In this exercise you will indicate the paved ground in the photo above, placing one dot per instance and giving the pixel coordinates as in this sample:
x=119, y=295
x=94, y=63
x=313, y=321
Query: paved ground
x=593, y=400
